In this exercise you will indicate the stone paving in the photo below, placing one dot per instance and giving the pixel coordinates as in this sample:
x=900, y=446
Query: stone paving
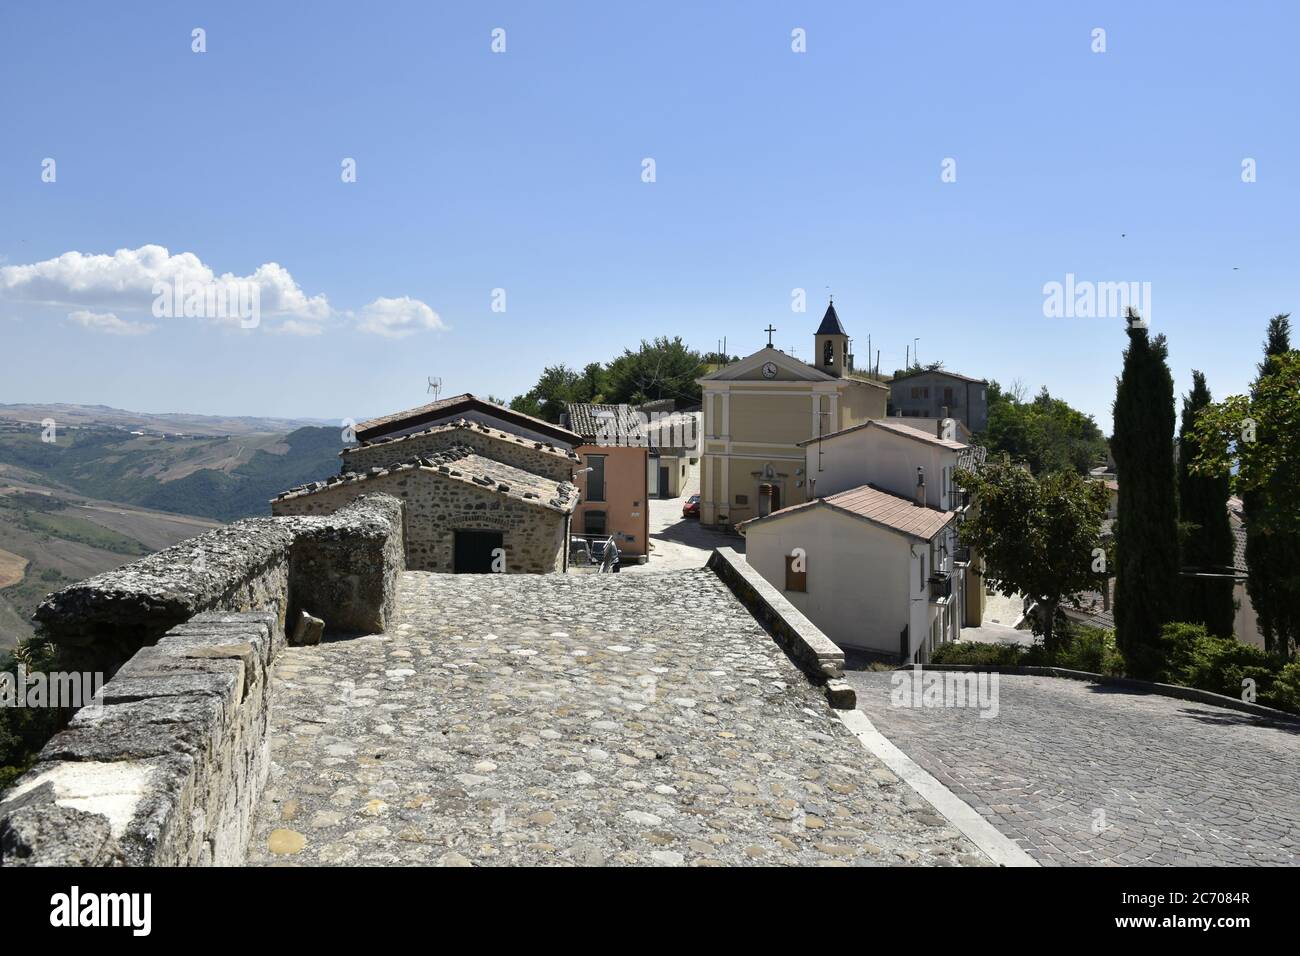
x=574, y=720
x=1079, y=773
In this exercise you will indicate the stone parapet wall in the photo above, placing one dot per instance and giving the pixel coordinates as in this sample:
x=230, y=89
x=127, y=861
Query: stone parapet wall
x=167, y=766
x=100, y=622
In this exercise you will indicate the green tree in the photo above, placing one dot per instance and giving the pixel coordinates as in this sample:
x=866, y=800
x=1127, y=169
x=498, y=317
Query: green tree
x=1146, y=573
x=1206, y=533
x=1037, y=536
x=1046, y=433
x=1259, y=436
x=664, y=368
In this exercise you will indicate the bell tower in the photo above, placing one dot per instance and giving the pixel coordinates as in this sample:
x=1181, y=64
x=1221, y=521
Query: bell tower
x=831, y=344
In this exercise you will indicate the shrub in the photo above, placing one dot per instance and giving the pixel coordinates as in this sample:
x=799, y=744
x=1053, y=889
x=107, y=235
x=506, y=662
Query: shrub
x=1004, y=654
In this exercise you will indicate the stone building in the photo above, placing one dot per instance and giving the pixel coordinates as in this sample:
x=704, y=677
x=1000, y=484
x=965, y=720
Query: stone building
x=464, y=512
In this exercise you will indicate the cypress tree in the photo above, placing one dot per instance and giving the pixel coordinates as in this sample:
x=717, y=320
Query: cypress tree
x=1146, y=530
x=1271, y=557
x=1207, y=539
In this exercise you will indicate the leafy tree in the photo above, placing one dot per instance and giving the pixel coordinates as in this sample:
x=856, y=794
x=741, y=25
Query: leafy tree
x=665, y=368
x=1206, y=533
x=1038, y=536
x=1259, y=436
x=1146, y=573
x=1046, y=433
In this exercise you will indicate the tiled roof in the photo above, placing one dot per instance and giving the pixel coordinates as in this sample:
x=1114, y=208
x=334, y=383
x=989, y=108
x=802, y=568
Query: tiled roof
x=606, y=424
x=890, y=425
x=464, y=423
x=941, y=371
x=461, y=463
x=377, y=427
x=877, y=506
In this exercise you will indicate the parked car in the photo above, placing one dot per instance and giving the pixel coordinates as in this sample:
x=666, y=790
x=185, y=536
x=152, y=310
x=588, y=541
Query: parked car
x=692, y=507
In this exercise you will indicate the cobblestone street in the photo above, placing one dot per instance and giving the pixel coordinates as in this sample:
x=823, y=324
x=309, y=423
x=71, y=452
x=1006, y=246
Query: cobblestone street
x=608, y=719
x=1078, y=773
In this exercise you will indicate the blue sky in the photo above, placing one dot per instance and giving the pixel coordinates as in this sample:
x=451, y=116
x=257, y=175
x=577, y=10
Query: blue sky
x=522, y=171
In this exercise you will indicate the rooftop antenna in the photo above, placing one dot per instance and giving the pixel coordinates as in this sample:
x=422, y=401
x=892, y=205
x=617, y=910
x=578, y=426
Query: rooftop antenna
x=435, y=386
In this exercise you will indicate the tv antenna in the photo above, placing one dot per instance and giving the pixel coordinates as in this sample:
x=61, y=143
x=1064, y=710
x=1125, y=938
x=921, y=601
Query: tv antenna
x=435, y=386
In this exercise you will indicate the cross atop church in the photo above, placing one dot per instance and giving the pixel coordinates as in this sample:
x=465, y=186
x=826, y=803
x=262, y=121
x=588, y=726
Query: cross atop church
x=769, y=330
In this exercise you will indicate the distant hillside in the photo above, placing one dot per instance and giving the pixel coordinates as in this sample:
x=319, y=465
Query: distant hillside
x=166, y=423
x=223, y=478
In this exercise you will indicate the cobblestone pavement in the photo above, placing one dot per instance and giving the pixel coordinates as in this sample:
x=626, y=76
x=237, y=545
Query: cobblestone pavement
x=1166, y=781
x=557, y=719
x=680, y=543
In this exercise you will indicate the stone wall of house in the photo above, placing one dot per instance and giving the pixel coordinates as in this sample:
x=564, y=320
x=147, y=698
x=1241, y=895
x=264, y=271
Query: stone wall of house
x=167, y=766
x=533, y=538
x=523, y=453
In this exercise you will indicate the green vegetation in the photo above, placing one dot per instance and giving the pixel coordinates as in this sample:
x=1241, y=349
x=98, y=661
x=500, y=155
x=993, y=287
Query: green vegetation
x=664, y=368
x=1259, y=436
x=1206, y=534
x=1146, y=571
x=1037, y=535
x=24, y=730
x=1192, y=658
x=1046, y=433
x=112, y=465
x=1080, y=648
x=71, y=528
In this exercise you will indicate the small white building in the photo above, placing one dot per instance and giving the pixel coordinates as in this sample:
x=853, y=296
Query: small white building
x=873, y=560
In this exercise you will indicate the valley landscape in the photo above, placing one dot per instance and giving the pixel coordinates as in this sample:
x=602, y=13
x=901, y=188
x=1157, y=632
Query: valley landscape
x=116, y=485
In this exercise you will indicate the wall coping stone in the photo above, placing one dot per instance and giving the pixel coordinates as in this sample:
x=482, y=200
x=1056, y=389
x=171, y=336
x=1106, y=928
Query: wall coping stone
x=817, y=655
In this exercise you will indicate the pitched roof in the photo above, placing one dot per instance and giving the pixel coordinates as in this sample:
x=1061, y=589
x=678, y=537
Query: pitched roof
x=423, y=414
x=466, y=424
x=831, y=323
x=878, y=506
x=940, y=371
x=461, y=463
x=897, y=428
x=606, y=424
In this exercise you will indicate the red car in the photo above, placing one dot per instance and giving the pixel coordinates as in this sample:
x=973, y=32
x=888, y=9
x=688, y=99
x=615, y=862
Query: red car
x=692, y=507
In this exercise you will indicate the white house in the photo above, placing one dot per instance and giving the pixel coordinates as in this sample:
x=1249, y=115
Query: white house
x=873, y=558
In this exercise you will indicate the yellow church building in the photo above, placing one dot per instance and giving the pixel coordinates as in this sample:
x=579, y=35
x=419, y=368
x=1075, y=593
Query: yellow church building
x=758, y=410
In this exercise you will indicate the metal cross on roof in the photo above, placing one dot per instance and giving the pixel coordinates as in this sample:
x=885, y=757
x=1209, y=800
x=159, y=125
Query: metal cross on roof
x=769, y=330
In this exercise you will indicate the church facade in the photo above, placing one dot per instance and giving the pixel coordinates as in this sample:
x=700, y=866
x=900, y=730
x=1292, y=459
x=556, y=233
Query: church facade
x=758, y=410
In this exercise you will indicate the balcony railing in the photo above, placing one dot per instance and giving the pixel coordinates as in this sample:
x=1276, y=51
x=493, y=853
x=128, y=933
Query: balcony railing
x=940, y=586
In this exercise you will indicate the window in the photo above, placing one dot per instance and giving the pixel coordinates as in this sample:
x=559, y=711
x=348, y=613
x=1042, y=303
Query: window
x=947, y=397
x=796, y=580
x=593, y=522
x=596, y=478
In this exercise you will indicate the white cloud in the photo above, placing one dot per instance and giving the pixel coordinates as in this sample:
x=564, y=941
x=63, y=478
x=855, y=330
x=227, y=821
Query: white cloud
x=397, y=318
x=126, y=281
x=99, y=286
x=109, y=323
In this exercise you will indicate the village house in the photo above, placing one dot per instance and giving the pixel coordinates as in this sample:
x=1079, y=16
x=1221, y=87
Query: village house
x=612, y=476
x=873, y=559
x=673, y=444
x=758, y=410
x=940, y=394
